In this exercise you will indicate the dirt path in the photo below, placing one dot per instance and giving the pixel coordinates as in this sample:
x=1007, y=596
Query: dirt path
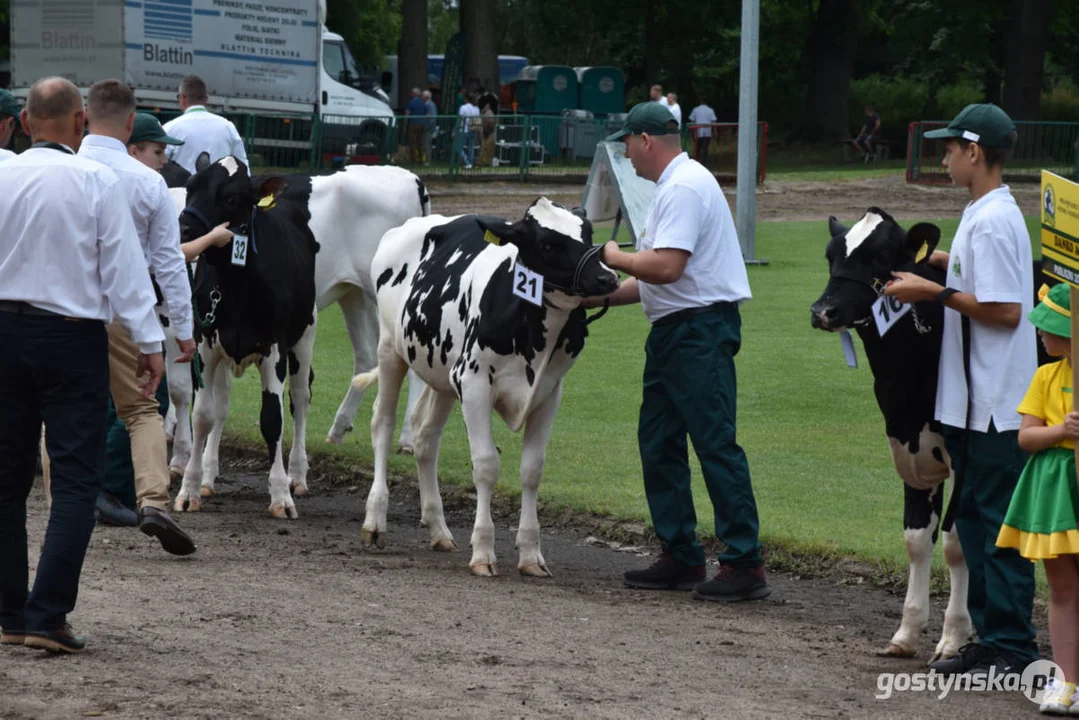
x=776, y=200
x=279, y=619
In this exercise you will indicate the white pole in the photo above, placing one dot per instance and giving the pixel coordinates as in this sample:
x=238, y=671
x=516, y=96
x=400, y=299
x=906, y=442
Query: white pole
x=746, y=205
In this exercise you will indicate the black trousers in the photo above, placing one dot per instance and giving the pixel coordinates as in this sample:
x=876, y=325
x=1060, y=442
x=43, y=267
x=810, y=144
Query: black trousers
x=55, y=371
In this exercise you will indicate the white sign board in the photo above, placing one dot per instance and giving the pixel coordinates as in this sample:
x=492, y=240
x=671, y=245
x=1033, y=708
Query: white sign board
x=886, y=313
x=81, y=40
x=614, y=185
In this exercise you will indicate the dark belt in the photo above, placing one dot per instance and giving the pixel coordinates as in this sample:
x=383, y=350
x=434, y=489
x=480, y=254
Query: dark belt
x=681, y=315
x=19, y=307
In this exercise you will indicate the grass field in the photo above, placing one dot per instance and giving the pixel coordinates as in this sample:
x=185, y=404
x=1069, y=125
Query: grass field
x=809, y=424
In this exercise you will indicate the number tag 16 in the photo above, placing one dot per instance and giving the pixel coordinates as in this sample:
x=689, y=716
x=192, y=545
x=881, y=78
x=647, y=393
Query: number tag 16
x=527, y=284
x=886, y=313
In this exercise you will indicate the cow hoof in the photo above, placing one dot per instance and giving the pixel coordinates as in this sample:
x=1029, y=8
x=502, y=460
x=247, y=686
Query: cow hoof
x=534, y=570
x=189, y=504
x=282, y=511
x=896, y=650
x=485, y=570
x=444, y=545
x=175, y=473
x=331, y=440
x=372, y=537
x=298, y=489
x=405, y=450
x=206, y=491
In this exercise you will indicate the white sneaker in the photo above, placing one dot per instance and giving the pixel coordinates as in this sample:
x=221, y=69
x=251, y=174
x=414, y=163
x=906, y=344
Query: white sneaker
x=1059, y=699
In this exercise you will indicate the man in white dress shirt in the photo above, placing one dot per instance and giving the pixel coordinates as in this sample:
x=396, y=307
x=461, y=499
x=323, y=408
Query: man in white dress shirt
x=9, y=122
x=201, y=130
x=110, y=110
x=66, y=258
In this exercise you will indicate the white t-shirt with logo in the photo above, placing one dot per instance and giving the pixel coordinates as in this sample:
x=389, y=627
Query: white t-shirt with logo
x=991, y=258
x=688, y=212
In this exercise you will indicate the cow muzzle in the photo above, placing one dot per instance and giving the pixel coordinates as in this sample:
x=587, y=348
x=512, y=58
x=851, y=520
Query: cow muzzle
x=823, y=317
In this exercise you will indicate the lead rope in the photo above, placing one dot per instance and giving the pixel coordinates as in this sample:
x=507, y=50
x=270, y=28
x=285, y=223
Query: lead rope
x=204, y=323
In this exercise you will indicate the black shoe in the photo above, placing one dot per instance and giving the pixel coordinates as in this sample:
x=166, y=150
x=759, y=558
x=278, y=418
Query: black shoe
x=111, y=511
x=970, y=656
x=666, y=573
x=157, y=523
x=61, y=640
x=734, y=584
x=997, y=665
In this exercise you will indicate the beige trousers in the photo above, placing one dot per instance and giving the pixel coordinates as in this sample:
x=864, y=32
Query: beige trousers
x=144, y=424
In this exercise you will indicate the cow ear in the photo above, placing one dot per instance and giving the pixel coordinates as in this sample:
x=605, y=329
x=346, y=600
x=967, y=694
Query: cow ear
x=270, y=189
x=835, y=227
x=922, y=239
x=202, y=161
x=498, y=233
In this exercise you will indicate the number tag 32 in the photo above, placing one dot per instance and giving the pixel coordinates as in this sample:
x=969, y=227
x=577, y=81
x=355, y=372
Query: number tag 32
x=527, y=284
x=886, y=313
x=239, y=250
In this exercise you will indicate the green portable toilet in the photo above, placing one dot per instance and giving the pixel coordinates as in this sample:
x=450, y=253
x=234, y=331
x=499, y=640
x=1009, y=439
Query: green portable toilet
x=546, y=89
x=603, y=89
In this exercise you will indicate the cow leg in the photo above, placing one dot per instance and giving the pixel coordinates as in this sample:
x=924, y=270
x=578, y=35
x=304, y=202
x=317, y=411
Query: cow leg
x=485, y=468
x=958, y=627
x=181, y=386
x=299, y=392
x=405, y=443
x=429, y=419
x=391, y=373
x=921, y=516
x=273, y=369
x=361, y=322
x=221, y=378
x=533, y=454
x=202, y=421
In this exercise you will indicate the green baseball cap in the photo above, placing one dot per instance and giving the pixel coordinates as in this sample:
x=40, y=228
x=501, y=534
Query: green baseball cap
x=9, y=105
x=1053, y=313
x=148, y=129
x=983, y=123
x=647, y=117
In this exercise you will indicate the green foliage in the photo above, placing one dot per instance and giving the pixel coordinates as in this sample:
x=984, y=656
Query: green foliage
x=443, y=21
x=953, y=98
x=370, y=27
x=1061, y=103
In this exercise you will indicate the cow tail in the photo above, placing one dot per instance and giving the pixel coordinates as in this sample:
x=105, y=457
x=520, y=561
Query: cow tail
x=365, y=380
x=425, y=198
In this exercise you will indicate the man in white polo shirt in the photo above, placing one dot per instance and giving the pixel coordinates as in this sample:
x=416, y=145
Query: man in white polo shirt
x=689, y=276
x=69, y=259
x=110, y=108
x=201, y=130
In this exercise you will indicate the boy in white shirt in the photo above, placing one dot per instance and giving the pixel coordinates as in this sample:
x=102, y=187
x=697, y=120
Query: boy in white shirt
x=988, y=357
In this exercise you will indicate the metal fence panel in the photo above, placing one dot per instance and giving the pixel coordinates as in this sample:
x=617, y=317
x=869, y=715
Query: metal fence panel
x=1052, y=146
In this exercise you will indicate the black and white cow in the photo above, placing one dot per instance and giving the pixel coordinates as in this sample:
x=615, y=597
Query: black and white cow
x=347, y=212
x=904, y=363
x=448, y=311
x=256, y=305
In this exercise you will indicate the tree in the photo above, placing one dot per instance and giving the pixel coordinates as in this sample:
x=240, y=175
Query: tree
x=830, y=60
x=481, y=44
x=370, y=27
x=412, y=55
x=1026, y=41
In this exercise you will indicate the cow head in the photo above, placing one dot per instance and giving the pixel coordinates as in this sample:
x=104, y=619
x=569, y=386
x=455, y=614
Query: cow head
x=557, y=244
x=861, y=260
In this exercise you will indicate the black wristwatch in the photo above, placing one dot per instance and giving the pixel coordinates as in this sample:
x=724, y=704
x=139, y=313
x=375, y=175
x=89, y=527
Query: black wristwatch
x=943, y=295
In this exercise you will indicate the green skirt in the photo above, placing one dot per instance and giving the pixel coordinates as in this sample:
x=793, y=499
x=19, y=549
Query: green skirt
x=1042, y=516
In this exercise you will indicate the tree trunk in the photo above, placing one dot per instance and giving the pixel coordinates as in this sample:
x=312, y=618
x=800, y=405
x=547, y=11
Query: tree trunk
x=830, y=59
x=481, y=44
x=998, y=52
x=1027, y=37
x=651, y=44
x=412, y=54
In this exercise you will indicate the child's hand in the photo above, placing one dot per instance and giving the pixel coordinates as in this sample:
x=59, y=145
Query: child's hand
x=1071, y=425
x=221, y=235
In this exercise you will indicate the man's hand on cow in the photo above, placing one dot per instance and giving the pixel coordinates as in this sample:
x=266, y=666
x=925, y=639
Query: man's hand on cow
x=187, y=350
x=908, y=288
x=152, y=365
x=1071, y=425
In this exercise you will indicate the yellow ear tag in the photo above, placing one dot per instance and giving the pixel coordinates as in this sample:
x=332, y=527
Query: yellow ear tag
x=267, y=202
x=922, y=252
x=491, y=237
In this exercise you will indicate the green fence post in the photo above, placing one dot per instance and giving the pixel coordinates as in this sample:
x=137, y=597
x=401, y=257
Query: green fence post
x=526, y=149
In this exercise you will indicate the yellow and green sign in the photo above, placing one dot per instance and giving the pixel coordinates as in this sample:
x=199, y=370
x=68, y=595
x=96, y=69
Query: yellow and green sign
x=1060, y=228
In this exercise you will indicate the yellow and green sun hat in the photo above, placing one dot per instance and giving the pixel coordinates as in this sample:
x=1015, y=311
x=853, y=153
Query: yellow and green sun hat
x=1053, y=314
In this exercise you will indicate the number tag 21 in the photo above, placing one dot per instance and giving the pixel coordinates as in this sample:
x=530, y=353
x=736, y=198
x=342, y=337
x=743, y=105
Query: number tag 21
x=886, y=313
x=527, y=284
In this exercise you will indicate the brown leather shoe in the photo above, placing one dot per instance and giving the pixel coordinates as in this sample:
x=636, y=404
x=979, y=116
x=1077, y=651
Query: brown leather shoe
x=61, y=640
x=12, y=637
x=157, y=523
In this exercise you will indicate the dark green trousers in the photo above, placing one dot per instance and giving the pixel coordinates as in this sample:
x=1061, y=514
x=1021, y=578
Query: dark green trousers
x=690, y=389
x=119, y=472
x=1001, y=594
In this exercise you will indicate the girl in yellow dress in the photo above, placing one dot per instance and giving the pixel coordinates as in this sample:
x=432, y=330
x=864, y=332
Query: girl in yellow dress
x=1041, y=519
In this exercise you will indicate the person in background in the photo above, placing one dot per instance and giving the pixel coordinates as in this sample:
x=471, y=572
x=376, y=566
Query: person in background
x=64, y=218
x=469, y=129
x=703, y=116
x=675, y=108
x=415, y=114
x=655, y=94
x=201, y=130
x=9, y=123
x=430, y=127
x=869, y=133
